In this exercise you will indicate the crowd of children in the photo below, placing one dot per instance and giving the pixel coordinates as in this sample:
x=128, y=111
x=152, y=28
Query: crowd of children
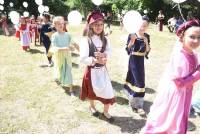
x=170, y=110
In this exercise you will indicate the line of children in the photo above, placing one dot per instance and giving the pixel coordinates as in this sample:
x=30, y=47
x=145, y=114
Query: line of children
x=170, y=110
x=137, y=46
x=94, y=52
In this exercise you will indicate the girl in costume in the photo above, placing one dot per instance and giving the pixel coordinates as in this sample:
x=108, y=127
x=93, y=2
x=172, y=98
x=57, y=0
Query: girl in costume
x=61, y=48
x=170, y=110
x=137, y=47
x=24, y=34
x=94, y=52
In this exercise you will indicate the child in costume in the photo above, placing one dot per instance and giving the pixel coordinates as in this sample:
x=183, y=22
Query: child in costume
x=61, y=48
x=170, y=110
x=137, y=47
x=94, y=52
x=24, y=34
x=46, y=28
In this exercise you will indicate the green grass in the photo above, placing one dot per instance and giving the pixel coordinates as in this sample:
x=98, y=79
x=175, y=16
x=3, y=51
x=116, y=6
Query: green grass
x=31, y=102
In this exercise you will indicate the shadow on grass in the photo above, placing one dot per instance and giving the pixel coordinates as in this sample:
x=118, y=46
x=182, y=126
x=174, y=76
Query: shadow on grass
x=149, y=90
x=121, y=100
x=75, y=55
x=76, y=90
x=128, y=124
x=43, y=66
x=35, y=51
x=117, y=86
x=191, y=126
x=147, y=106
x=74, y=65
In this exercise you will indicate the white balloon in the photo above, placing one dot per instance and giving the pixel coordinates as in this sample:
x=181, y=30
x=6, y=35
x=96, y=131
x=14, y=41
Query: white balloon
x=14, y=16
x=1, y=7
x=178, y=1
x=41, y=9
x=25, y=4
x=38, y=2
x=2, y=2
x=132, y=21
x=46, y=8
x=145, y=11
x=26, y=14
x=74, y=18
x=11, y=4
x=123, y=11
x=97, y=2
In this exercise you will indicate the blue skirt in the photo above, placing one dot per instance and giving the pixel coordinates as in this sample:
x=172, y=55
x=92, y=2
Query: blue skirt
x=135, y=79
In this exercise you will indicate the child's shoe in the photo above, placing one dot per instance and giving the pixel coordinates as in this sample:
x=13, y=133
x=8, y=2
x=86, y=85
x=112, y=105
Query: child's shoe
x=94, y=112
x=107, y=117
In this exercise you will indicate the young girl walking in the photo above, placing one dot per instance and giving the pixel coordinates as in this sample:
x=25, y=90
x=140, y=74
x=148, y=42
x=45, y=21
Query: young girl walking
x=170, y=110
x=62, y=47
x=24, y=34
x=94, y=52
x=137, y=46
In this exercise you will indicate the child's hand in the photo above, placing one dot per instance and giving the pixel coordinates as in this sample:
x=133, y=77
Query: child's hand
x=99, y=55
x=102, y=61
x=132, y=41
x=71, y=48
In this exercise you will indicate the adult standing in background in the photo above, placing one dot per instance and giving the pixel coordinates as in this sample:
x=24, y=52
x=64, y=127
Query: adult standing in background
x=160, y=20
x=4, y=24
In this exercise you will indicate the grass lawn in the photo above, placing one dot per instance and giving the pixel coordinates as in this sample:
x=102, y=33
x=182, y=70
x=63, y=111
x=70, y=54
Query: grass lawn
x=32, y=103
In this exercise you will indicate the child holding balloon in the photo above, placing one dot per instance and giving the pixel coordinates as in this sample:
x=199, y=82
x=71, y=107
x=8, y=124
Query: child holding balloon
x=94, y=52
x=137, y=46
x=170, y=110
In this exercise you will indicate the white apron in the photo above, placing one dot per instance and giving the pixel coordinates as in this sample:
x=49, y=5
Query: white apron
x=101, y=83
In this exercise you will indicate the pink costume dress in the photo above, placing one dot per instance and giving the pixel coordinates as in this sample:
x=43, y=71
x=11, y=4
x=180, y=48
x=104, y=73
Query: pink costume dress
x=170, y=110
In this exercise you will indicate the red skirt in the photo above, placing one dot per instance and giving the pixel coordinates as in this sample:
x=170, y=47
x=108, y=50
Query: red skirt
x=87, y=90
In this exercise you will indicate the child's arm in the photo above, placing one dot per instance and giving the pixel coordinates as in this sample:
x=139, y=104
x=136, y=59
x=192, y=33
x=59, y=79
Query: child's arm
x=188, y=80
x=132, y=41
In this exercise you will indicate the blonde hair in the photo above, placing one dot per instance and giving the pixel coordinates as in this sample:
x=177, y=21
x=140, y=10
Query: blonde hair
x=57, y=19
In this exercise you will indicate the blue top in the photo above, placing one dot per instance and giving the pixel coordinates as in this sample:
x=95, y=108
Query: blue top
x=61, y=39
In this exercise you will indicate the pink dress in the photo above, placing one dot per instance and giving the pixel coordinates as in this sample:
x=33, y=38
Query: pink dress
x=170, y=110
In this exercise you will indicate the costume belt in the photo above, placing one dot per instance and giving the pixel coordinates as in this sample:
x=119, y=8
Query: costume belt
x=138, y=53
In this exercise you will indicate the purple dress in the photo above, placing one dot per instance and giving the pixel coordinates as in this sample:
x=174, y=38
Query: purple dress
x=170, y=110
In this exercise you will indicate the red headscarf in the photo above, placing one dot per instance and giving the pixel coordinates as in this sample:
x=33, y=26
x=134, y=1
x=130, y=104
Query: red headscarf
x=182, y=28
